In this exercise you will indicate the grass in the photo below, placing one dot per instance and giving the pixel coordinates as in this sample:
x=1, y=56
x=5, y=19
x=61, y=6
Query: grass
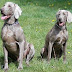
x=37, y=18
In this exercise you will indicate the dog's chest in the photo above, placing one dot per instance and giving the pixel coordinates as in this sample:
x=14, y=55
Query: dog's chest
x=8, y=39
x=7, y=34
x=62, y=37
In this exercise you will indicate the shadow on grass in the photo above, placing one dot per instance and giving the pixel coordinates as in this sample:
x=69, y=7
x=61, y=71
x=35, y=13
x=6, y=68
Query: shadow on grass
x=39, y=58
x=2, y=62
x=9, y=61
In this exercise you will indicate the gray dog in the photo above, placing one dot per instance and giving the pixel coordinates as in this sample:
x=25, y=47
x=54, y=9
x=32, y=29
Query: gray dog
x=56, y=39
x=14, y=43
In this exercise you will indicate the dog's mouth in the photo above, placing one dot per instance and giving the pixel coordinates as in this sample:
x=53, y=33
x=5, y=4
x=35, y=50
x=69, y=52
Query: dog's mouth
x=5, y=17
x=61, y=23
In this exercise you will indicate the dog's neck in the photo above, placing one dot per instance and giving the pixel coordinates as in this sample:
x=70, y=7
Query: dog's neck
x=60, y=27
x=11, y=20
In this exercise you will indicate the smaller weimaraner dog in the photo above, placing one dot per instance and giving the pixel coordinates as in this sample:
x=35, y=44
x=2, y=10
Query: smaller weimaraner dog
x=56, y=39
x=14, y=43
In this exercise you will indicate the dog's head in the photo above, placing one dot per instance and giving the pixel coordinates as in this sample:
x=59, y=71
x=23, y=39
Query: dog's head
x=63, y=16
x=10, y=9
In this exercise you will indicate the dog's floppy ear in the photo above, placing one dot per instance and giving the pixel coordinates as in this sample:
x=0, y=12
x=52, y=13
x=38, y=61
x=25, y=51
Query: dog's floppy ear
x=69, y=17
x=17, y=11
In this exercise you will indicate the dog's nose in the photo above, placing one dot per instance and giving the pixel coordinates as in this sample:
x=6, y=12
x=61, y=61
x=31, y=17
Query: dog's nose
x=59, y=19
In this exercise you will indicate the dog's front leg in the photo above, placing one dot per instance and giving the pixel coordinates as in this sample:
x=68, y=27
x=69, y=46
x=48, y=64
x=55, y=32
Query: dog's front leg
x=21, y=50
x=64, y=52
x=49, y=51
x=5, y=58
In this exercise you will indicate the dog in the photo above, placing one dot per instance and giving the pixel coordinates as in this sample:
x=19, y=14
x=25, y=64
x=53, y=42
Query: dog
x=56, y=39
x=14, y=42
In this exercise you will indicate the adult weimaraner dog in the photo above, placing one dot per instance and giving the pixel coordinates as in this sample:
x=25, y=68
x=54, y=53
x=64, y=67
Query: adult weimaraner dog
x=14, y=43
x=56, y=39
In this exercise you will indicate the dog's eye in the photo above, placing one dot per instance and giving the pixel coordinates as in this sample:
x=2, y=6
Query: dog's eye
x=9, y=6
x=58, y=15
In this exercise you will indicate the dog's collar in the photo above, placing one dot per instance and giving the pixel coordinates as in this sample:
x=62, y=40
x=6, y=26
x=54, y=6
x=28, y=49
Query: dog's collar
x=58, y=26
x=15, y=23
x=61, y=28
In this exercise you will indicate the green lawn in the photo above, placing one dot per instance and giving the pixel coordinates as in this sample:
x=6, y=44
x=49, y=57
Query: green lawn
x=37, y=18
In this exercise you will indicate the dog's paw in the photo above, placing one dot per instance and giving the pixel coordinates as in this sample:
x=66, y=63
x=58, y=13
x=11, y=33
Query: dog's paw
x=27, y=64
x=6, y=68
x=64, y=62
x=48, y=62
x=20, y=67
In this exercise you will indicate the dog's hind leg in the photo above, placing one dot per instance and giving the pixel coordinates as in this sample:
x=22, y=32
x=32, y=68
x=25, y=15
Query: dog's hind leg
x=30, y=54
